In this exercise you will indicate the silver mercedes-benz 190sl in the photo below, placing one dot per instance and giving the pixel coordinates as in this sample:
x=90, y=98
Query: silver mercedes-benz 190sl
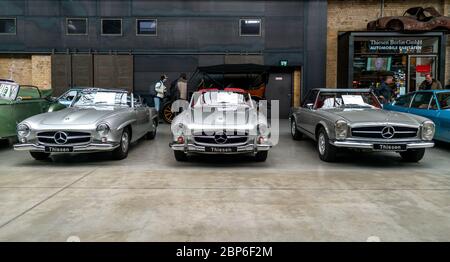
x=354, y=119
x=221, y=122
x=97, y=120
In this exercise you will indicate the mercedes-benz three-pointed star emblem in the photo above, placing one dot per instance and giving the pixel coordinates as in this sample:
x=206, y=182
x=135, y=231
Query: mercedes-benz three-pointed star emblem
x=60, y=138
x=388, y=132
x=220, y=138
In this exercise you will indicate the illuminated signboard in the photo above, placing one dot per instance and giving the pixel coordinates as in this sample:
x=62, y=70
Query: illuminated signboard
x=396, y=46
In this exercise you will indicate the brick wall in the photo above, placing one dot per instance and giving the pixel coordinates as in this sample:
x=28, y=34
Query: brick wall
x=27, y=69
x=41, y=66
x=353, y=15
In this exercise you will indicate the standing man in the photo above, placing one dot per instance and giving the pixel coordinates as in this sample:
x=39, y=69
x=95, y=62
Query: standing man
x=430, y=83
x=384, y=92
x=160, y=89
x=182, y=86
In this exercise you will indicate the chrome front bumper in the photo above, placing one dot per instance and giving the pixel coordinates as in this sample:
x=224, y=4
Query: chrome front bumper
x=370, y=145
x=193, y=148
x=78, y=148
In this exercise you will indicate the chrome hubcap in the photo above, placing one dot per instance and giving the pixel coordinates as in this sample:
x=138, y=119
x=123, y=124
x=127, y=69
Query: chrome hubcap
x=321, y=143
x=293, y=128
x=124, y=141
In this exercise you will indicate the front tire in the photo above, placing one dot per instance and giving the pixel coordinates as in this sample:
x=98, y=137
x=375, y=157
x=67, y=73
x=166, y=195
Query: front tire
x=151, y=135
x=122, y=151
x=327, y=152
x=296, y=135
x=40, y=155
x=413, y=156
x=261, y=156
x=180, y=156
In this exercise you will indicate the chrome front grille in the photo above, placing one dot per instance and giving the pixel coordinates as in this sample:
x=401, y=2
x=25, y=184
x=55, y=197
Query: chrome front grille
x=63, y=137
x=384, y=132
x=229, y=139
x=221, y=138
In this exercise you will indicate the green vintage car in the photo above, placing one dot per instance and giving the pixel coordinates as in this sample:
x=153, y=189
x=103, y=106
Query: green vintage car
x=18, y=102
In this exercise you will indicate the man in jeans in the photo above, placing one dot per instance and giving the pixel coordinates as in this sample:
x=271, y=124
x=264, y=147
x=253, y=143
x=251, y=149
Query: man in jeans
x=158, y=93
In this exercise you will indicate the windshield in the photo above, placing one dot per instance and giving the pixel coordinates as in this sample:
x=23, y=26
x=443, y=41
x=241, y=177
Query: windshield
x=8, y=90
x=220, y=98
x=330, y=100
x=444, y=100
x=101, y=98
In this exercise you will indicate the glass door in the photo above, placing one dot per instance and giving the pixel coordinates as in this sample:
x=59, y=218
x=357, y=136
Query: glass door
x=418, y=67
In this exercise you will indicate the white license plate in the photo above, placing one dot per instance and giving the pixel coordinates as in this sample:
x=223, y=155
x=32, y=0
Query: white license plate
x=51, y=149
x=390, y=147
x=221, y=149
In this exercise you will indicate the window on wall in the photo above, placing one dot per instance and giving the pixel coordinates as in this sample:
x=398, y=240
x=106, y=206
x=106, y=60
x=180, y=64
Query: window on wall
x=146, y=27
x=76, y=26
x=250, y=27
x=8, y=26
x=112, y=27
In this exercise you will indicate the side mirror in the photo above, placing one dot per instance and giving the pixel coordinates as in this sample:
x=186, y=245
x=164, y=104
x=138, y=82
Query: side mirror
x=310, y=106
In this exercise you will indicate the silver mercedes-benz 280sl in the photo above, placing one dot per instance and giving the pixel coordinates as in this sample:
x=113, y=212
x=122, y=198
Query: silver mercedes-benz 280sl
x=354, y=118
x=97, y=120
x=221, y=122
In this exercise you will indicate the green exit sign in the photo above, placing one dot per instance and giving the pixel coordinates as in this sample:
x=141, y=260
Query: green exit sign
x=283, y=62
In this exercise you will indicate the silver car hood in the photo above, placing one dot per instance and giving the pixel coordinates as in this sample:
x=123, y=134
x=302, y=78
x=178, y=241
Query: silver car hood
x=367, y=115
x=80, y=116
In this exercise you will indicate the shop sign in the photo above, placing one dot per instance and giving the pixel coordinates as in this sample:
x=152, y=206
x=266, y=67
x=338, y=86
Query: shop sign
x=423, y=68
x=396, y=45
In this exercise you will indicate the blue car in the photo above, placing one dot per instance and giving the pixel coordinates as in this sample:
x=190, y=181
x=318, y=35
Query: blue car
x=432, y=104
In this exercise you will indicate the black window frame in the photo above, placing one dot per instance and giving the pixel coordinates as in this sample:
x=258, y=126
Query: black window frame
x=15, y=25
x=101, y=26
x=144, y=19
x=77, y=18
x=250, y=18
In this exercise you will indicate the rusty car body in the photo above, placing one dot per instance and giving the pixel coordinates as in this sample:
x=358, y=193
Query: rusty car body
x=414, y=19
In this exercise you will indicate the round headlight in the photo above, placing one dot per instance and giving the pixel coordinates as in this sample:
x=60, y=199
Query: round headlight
x=428, y=130
x=23, y=130
x=341, y=129
x=263, y=130
x=178, y=130
x=103, y=129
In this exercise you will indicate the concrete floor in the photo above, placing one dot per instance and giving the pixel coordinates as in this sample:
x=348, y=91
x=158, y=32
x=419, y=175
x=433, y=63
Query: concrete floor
x=291, y=197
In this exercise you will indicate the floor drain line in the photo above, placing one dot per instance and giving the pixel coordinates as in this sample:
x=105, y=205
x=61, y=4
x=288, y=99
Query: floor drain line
x=45, y=199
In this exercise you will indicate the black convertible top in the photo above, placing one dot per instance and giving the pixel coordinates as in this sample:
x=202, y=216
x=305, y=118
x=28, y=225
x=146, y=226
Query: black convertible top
x=234, y=69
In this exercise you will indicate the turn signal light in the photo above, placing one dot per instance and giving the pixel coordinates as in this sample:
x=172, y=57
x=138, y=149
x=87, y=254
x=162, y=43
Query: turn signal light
x=180, y=140
x=261, y=140
x=104, y=139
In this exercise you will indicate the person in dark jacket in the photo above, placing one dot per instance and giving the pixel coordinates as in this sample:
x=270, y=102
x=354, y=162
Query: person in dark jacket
x=384, y=92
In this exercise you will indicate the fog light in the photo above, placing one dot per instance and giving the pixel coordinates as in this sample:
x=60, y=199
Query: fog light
x=23, y=140
x=104, y=139
x=180, y=140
